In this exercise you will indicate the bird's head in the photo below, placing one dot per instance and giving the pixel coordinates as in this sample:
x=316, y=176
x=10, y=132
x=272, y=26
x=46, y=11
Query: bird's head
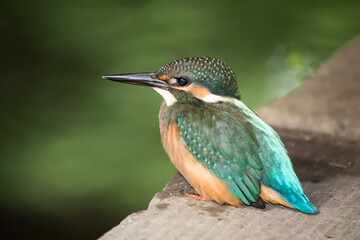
x=188, y=79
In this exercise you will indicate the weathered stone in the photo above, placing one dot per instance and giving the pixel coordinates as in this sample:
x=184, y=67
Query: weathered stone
x=320, y=126
x=328, y=102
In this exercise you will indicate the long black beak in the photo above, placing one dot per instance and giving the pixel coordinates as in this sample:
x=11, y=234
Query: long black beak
x=142, y=79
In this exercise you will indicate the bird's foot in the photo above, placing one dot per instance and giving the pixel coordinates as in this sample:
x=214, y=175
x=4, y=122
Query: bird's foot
x=196, y=196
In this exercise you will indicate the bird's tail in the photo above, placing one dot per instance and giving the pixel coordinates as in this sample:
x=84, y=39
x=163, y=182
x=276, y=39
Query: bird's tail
x=277, y=170
x=300, y=202
x=291, y=199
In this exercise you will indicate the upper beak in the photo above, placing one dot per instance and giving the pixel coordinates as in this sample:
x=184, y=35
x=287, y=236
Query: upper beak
x=143, y=79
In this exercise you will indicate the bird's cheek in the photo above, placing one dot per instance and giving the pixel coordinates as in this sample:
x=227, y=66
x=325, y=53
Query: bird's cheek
x=198, y=91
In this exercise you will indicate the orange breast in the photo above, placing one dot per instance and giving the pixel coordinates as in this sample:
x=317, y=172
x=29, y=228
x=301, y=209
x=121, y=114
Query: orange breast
x=203, y=181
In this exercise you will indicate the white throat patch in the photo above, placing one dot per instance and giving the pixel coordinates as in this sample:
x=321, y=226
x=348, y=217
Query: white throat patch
x=168, y=97
x=212, y=98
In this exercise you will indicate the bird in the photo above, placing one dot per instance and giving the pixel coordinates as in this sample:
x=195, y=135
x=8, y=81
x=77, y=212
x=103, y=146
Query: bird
x=225, y=151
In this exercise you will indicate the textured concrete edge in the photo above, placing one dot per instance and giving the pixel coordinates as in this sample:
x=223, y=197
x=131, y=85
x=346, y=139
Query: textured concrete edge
x=327, y=102
x=329, y=170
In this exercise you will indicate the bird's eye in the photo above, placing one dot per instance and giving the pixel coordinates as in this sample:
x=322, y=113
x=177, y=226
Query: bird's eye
x=182, y=82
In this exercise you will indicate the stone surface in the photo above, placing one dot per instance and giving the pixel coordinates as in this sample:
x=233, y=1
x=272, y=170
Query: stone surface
x=319, y=124
x=327, y=103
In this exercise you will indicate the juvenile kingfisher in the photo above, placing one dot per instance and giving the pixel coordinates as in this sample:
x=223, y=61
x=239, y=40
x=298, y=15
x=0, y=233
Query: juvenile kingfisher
x=222, y=148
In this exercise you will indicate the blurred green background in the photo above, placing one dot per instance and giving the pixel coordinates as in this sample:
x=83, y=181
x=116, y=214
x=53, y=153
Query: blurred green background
x=79, y=153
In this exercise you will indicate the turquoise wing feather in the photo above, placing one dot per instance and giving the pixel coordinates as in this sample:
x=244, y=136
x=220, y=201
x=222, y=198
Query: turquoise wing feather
x=278, y=172
x=238, y=147
x=226, y=147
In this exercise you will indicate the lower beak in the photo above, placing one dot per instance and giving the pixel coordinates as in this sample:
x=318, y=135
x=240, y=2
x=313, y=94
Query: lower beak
x=142, y=79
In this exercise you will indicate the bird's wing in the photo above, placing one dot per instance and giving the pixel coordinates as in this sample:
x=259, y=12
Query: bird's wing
x=278, y=172
x=225, y=143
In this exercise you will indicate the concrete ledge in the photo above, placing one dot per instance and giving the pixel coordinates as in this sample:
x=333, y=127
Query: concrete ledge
x=327, y=103
x=320, y=126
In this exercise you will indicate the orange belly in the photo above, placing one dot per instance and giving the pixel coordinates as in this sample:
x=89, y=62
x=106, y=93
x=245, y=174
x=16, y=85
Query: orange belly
x=206, y=184
x=203, y=181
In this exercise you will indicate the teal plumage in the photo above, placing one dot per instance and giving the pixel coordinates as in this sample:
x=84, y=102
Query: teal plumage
x=224, y=146
x=237, y=146
x=240, y=156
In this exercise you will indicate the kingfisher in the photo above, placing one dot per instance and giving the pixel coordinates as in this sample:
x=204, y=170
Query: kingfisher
x=222, y=148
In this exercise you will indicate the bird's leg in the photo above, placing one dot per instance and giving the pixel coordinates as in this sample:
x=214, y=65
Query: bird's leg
x=196, y=196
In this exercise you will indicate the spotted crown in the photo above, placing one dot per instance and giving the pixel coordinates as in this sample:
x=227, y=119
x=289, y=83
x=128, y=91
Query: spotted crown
x=208, y=72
